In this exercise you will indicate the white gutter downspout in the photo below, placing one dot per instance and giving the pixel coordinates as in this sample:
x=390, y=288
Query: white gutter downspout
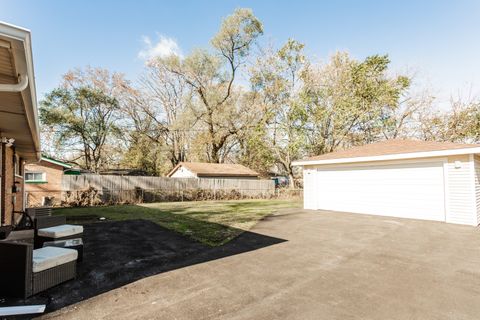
x=22, y=84
x=18, y=87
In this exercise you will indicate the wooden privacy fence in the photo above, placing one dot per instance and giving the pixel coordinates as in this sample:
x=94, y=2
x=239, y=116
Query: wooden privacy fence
x=91, y=189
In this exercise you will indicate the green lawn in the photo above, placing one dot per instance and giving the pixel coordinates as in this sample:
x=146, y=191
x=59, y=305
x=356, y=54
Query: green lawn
x=210, y=222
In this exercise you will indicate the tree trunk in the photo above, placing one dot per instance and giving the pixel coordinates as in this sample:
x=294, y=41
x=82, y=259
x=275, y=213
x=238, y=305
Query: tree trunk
x=214, y=155
x=291, y=181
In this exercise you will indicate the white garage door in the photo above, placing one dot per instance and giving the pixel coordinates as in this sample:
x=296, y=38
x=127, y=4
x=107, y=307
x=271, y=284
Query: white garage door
x=412, y=190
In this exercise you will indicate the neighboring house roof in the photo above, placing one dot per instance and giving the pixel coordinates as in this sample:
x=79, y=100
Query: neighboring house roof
x=202, y=169
x=76, y=171
x=18, y=110
x=57, y=162
x=72, y=171
x=392, y=149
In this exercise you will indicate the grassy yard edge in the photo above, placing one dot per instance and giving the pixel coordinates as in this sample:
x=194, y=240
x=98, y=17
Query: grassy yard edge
x=213, y=223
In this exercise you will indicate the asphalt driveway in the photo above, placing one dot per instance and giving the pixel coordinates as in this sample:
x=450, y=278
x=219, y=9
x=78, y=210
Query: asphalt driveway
x=331, y=266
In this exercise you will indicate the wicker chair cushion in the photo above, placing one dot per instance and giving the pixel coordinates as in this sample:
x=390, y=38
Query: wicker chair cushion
x=64, y=230
x=50, y=257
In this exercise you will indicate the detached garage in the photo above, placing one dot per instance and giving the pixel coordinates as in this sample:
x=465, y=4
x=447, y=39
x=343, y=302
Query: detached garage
x=398, y=178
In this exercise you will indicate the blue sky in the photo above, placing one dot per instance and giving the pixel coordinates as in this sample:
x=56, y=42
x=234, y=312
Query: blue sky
x=438, y=40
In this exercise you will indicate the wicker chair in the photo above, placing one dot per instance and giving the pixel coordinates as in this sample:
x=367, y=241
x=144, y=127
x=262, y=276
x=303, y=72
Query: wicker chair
x=24, y=275
x=39, y=212
x=44, y=223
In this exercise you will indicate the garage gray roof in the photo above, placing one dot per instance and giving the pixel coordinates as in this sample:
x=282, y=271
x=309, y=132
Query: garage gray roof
x=391, y=147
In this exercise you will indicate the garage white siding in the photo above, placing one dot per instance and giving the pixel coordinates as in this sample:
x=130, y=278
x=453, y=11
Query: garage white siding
x=399, y=177
x=310, y=187
x=461, y=206
x=408, y=190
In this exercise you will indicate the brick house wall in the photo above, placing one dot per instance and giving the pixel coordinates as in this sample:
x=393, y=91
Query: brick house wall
x=51, y=187
x=12, y=202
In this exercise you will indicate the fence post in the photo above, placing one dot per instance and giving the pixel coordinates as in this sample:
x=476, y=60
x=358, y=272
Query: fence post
x=214, y=189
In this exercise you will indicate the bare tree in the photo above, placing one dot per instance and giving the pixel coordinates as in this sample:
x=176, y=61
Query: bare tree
x=408, y=120
x=210, y=77
x=168, y=97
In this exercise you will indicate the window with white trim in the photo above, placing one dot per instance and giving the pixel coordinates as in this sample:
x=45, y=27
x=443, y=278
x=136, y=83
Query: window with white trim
x=35, y=177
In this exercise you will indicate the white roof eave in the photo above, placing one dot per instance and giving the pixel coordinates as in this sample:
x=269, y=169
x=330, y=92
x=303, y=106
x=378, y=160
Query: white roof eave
x=58, y=163
x=23, y=35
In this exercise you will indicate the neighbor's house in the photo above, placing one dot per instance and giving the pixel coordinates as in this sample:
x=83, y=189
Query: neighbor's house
x=212, y=170
x=43, y=181
x=399, y=178
x=19, y=130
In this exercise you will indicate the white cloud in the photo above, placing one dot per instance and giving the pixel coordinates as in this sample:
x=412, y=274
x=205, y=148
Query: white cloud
x=164, y=47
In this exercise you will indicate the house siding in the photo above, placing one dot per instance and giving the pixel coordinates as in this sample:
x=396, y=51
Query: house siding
x=183, y=172
x=35, y=192
x=477, y=186
x=460, y=190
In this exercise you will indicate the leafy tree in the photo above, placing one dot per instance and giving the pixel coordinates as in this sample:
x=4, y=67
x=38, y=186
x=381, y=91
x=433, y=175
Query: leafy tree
x=83, y=119
x=82, y=114
x=144, y=155
x=255, y=151
x=277, y=78
x=350, y=102
x=378, y=96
